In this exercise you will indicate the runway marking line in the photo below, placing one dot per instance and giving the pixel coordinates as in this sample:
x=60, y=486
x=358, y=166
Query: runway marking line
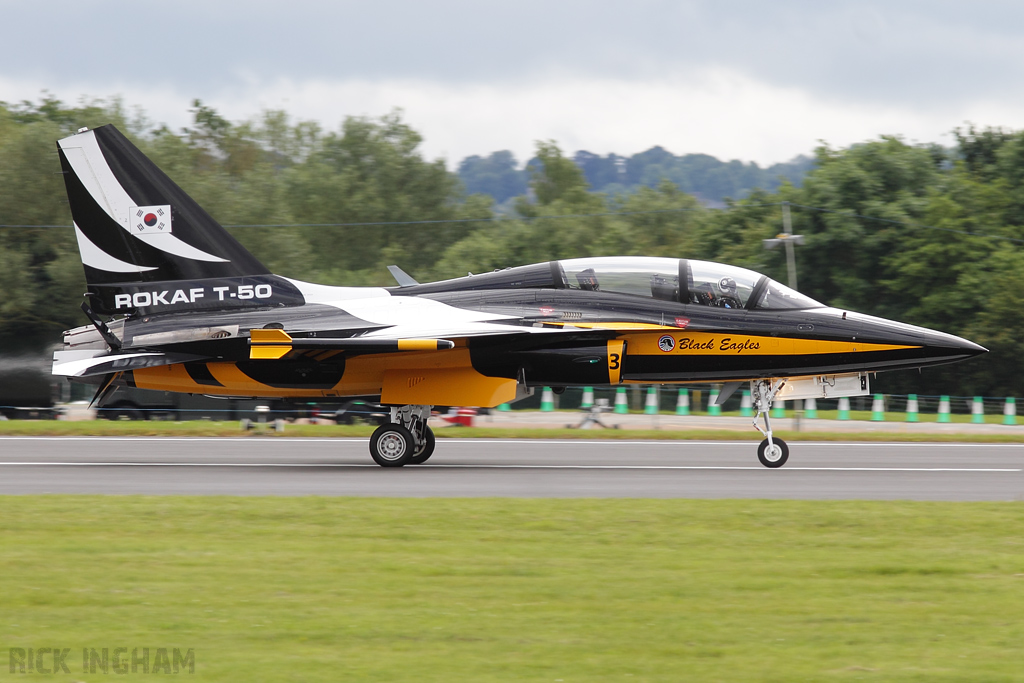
x=500, y=467
x=548, y=442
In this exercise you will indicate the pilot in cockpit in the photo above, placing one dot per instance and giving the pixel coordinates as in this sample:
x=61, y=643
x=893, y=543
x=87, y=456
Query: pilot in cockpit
x=729, y=298
x=704, y=293
x=587, y=280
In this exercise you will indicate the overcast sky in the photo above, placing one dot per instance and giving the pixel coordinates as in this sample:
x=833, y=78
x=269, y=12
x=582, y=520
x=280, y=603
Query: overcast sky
x=761, y=81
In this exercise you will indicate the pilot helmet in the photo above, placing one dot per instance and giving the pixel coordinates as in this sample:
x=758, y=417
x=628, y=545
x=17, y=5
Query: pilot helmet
x=727, y=285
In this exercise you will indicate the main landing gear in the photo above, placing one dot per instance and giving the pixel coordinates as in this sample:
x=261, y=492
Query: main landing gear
x=406, y=440
x=773, y=452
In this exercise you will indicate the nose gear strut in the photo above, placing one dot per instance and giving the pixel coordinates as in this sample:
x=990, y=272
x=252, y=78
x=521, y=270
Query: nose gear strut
x=772, y=452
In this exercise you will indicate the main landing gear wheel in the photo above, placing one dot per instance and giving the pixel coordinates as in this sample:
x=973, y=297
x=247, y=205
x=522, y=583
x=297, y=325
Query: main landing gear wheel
x=392, y=445
x=425, y=449
x=774, y=455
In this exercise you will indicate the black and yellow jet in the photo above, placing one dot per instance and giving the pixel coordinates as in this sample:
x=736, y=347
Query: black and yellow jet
x=177, y=304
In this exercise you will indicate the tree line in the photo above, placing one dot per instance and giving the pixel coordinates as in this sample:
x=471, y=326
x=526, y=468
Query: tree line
x=708, y=179
x=920, y=233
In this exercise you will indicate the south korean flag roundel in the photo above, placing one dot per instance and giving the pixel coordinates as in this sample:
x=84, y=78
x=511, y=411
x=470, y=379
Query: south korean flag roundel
x=150, y=220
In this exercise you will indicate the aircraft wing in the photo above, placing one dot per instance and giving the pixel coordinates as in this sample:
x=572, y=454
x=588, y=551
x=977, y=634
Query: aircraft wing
x=91, y=363
x=274, y=344
x=597, y=330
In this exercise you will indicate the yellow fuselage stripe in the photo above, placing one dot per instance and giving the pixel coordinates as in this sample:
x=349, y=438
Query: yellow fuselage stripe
x=731, y=344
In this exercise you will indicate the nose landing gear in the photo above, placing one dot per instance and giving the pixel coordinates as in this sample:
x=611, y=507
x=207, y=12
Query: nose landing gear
x=772, y=452
x=406, y=440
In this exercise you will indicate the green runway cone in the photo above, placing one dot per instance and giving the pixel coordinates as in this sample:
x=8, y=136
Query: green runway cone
x=504, y=407
x=878, y=409
x=811, y=409
x=588, y=397
x=844, y=409
x=912, y=408
x=651, y=406
x=683, y=403
x=547, y=400
x=1010, y=411
x=943, y=409
x=713, y=407
x=621, y=401
x=779, y=409
x=978, y=411
x=746, y=405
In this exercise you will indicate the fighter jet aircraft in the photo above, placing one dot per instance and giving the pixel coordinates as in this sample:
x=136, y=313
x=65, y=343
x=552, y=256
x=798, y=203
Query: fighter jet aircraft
x=177, y=304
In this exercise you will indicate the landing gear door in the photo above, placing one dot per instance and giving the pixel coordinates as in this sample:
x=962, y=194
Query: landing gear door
x=825, y=386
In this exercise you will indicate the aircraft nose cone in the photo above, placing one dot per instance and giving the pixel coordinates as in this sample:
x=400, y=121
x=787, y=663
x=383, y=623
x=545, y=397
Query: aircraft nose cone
x=924, y=346
x=953, y=346
x=971, y=348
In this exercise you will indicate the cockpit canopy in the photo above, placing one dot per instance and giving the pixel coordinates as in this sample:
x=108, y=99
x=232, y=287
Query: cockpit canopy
x=682, y=280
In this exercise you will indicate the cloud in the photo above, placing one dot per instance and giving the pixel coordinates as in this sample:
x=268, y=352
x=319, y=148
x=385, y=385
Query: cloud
x=718, y=112
x=912, y=51
x=735, y=78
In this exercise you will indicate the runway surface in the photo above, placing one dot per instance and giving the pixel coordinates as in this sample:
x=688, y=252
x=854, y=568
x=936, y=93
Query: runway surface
x=510, y=467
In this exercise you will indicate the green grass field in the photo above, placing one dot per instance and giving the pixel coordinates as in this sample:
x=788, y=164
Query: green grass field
x=315, y=589
x=895, y=418
x=206, y=428
x=991, y=417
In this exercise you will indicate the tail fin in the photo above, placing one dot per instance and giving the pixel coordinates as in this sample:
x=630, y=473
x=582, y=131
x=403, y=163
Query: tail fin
x=144, y=242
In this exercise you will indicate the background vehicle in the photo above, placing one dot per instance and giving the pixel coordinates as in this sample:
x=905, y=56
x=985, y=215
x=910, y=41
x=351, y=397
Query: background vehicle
x=359, y=410
x=28, y=390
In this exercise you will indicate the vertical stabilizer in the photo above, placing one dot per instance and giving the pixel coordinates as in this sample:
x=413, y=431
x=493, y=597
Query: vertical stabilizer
x=144, y=242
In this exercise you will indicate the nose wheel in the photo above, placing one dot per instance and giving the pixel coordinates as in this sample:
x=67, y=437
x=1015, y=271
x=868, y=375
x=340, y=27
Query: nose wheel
x=773, y=454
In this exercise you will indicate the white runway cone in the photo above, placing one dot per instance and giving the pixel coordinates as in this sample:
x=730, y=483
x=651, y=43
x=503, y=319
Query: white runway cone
x=978, y=411
x=844, y=409
x=746, y=405
x=778, y=409
x=651, y=406
x=912, y=408
x=878, y=409
x=683, y=403
x=621, y=401
x=943, y=409
x=713, y=407
x=588, y=397
x=811, y=409
x=547, y=400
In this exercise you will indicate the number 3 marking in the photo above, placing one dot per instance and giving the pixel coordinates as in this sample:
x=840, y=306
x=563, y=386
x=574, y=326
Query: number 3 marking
x=616, y=348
